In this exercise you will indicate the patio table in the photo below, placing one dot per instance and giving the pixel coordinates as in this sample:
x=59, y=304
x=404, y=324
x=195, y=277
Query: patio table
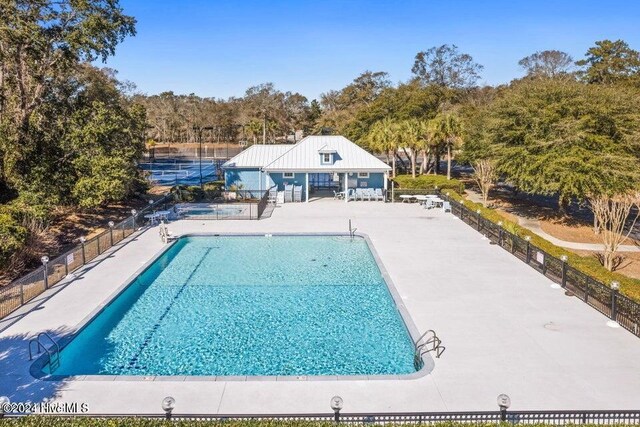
x=406, y=197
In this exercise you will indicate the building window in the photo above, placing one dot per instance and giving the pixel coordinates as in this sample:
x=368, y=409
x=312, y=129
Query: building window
x=288, y=175
x=363, y=174
x=326, y=158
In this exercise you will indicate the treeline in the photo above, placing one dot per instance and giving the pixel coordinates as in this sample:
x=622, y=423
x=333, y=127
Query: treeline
x=263, y=114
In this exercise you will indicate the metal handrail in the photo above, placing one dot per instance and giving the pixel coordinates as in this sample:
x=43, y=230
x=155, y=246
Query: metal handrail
x=41, y=346
x=424, y=345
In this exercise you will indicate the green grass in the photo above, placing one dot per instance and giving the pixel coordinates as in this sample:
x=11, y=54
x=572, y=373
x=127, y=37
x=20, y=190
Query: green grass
x=588, y=265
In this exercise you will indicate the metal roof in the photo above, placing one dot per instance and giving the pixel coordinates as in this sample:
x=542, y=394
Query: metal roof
x=305, y=156
x=257, y=155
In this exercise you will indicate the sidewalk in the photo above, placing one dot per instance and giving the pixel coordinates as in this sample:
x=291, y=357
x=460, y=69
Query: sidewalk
x=534, y=226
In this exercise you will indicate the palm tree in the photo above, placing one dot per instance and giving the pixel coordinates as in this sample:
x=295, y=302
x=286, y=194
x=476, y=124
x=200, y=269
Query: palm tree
x=383, y=138
x=448, y=132
x=426, y=134
x=409, y=136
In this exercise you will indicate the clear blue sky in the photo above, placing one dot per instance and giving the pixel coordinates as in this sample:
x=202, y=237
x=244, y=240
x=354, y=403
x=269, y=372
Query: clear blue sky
x=219, y=48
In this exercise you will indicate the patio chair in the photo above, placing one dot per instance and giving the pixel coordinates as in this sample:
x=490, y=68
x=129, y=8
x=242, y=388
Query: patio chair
x=446, y=206
x=288, y=193
x=368, y=193
x=337, y=195
x=351, y=194
x=379, y=194
x=297, y=193
x=429, y=204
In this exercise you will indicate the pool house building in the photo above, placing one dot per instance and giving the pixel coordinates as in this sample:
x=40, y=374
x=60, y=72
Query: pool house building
x=316, y=166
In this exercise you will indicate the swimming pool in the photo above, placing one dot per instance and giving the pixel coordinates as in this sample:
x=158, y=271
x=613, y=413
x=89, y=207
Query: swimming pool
x=249, y=306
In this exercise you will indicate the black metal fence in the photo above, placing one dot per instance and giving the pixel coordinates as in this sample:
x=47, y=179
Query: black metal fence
x=245, y=204
x=606, y=299
x=510, y=417
x=26, y=288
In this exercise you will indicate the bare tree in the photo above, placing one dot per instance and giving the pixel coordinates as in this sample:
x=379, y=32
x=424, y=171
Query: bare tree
x=612, y=216
x=485, y=175
x=548, y=63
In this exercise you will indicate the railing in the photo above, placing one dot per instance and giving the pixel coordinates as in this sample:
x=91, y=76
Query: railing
x=244, y=204
x=26, y=288
x=603, y=298
x=478, y=417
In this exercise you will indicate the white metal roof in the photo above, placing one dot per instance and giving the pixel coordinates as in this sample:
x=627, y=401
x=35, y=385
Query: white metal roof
x=257, y=155
x=305, y=156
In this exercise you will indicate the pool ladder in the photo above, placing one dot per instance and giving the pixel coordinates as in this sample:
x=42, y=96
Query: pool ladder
x=53, y=352
x=427, y=342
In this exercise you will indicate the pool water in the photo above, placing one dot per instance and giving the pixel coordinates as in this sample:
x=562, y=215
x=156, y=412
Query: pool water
x=249, y=306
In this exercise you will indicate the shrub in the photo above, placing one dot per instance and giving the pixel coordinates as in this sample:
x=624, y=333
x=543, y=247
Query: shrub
x=428, y=182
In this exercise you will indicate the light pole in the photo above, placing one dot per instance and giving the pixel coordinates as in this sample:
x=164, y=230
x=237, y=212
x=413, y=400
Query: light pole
x=336, y=405
x=615, y=288
x=168, y=404
x=111, y=224
x=45, y=262
x=504, y=402
x=528, y=240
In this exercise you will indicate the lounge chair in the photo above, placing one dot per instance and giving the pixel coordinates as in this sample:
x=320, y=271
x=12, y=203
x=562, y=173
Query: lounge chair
x=351, y=194
x=379, y=194
x=288, y=193
x=297, y=193
x=446, y=206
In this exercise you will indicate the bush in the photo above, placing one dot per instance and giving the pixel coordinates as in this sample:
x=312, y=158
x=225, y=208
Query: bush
x=428, y=182
x=188, y=193
x=587, y=265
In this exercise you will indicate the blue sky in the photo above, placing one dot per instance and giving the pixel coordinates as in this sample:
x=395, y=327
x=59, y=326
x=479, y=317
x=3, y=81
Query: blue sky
x=220, y=48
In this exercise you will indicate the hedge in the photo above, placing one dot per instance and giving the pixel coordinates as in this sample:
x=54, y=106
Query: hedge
x=588, y=265
x=39, y=421
x=428, y=182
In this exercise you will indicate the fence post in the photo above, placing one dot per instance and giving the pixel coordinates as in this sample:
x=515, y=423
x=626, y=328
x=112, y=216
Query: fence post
x=133, y=220
x=528, y=239
x=45, y=264
x=84, y=257
x=500, y=233
x=564, y=260
x=462, y=210
x=478, y=218
x=21, y=293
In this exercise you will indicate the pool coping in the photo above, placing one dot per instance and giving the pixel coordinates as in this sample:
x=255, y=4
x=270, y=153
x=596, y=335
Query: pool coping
x=36, y=369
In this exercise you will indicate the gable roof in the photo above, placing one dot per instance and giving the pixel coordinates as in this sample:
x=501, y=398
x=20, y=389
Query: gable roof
x=305, y=156
x=257, y=155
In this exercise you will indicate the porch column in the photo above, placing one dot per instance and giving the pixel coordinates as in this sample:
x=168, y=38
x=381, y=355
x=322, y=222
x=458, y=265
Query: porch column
x=266, y=181
x=386, y=184
x=306, y=175
x=346, y=187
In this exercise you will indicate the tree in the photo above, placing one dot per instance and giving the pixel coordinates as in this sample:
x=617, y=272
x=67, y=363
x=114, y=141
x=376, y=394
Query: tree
x=383, y=138
x=485, y=175
x=610, y=62
x=41, y=42
x=448, y=132
x=547, y=63
x=408, y=133
x=566, y=139
x=445, y=66
x=614, y=216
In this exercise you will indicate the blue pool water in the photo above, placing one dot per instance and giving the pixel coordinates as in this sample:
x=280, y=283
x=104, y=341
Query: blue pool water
x=249, y=305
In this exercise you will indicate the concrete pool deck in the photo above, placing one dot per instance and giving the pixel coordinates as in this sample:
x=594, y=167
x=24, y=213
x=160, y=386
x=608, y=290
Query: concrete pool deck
x=505, y=329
